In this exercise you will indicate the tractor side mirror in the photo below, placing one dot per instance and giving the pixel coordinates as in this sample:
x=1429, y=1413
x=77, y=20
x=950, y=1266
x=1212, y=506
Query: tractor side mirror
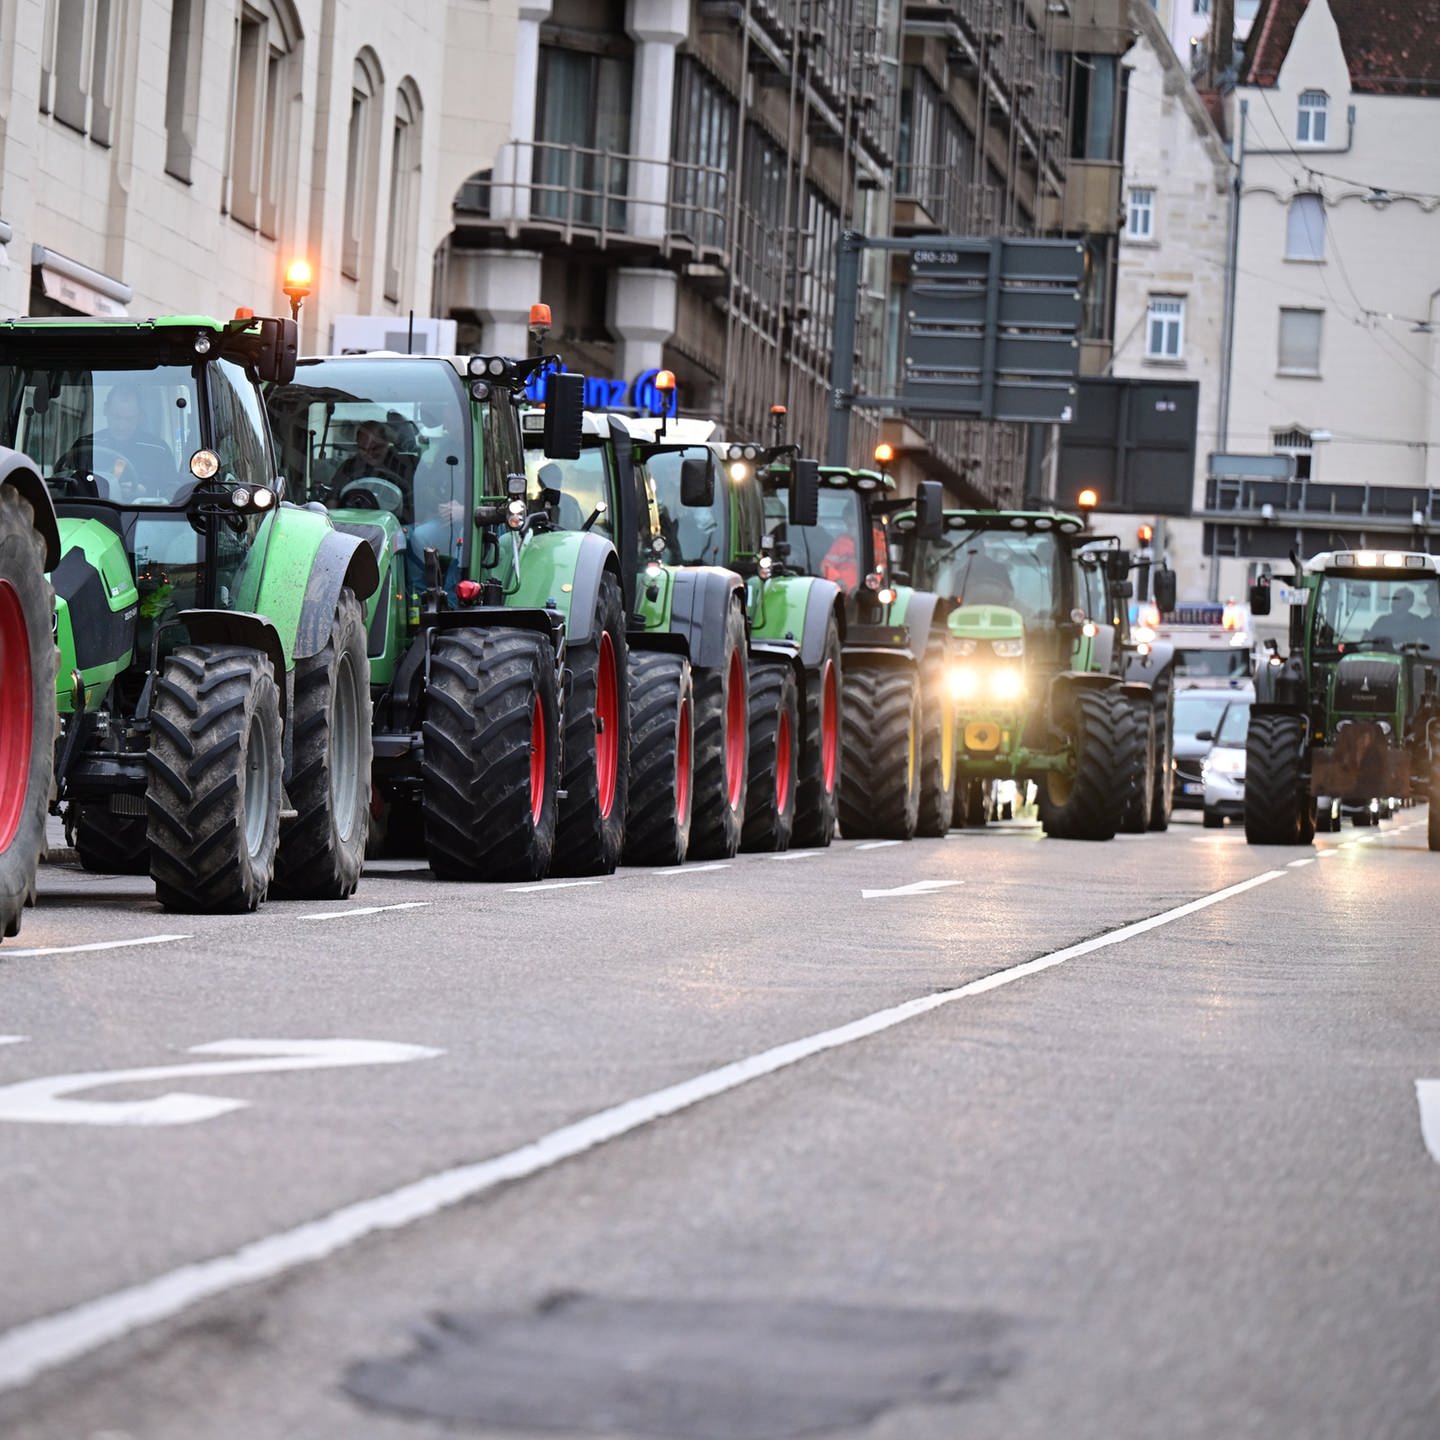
x=1260, y=597
x=804, y=500
x=1163, y=589
x=564, y=414
x=930, y=510
x=279, y=350
x=697, y=481
x=1117, y=565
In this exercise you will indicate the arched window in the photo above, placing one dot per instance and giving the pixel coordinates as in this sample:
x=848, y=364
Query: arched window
x=366, y=87
x=405, y=141
x=267, y=41
x=1311, y=118
x=77, y=80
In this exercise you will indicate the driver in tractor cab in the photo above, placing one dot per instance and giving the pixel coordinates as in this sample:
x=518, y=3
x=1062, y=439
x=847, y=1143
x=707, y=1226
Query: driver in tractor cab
x=841, y=563
x=374, y=458
x=1403, y=625
x=986, y=582
x=138, y=461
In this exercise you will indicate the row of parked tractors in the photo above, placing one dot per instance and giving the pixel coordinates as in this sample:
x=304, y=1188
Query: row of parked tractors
x=306, y=610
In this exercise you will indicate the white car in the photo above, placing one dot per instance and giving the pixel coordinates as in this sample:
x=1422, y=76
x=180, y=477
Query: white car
x=1223, y=769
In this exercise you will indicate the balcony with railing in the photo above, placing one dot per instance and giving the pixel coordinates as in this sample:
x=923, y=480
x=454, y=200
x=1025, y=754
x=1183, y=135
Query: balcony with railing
x=939, y=199
x=1305, y=505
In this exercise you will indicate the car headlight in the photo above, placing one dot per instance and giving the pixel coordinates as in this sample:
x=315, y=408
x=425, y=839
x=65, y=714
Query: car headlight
x=1224, y=762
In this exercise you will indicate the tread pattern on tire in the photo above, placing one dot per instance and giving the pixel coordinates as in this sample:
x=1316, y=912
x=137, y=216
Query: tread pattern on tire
x=715, y=824
x=1106, y=756
x=587, y=841
x=1163, y=800
x=1140, y=797
x=816, y=808
x=321, y=853
x=110, y=844
x=661, y=700
x=1277, y=801
x=881, y=794
x=210, y=701
x=773, y=693
x=937, y=801
x=475, y=771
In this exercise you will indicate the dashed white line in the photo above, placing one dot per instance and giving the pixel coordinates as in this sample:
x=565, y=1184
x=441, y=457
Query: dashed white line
x=94, y=945
x=549, y=885
x=796, y=855
x=915, y=887
x=13, y=1039
x=31, y=1349
x=364, y=910
x=694, y=869
x=878, y=844
x=1296, y=864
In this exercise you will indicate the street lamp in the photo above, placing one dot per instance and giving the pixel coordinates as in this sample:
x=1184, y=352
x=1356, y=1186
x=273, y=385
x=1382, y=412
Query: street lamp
x=298, y=277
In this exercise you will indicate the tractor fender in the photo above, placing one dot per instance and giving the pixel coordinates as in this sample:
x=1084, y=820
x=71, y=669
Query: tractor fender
x=1153, y=668
x=771, y=652
x=920, y=618
x=593, y=557
x=1282, y=687
x=239, y=627
x=342, y=560
x=1065, y=686
x=700, y=605
x=663, y=640
x=17, y=469
x=826, y=599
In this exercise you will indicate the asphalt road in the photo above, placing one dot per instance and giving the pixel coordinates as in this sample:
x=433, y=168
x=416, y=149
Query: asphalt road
x=994, y=1136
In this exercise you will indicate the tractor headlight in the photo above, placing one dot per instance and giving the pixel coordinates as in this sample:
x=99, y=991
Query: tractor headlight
x=963, y=645
x=1009, y=649
x=515, y=513
x=204, y=464
x=1007, y=684
x=963, y=682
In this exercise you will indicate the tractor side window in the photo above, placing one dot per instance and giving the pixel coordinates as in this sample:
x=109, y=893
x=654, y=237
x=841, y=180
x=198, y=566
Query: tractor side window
x=749, y=517
x=239, y=432
x=503, y=455
x=581, y=483
x=693, y=534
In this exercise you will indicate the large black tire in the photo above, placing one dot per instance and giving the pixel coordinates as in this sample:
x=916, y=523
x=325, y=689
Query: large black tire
x=1432, y=819
x=397, y=828
x=774, y=758
x=322, y=849
x=1279, y=809
x=591, y=833
x=817, y=790
x=1140, y=797
x=1090, y=804
x=880, y=796
x=110, y=844
x=721, y=748
x=937, y=749
x=1162, y=802
x=28, y=716
x=977, y=803
x=215, y=768
x=490, y=769
x=662, y=761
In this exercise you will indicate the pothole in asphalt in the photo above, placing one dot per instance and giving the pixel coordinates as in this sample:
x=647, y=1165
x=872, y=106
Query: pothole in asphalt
x=687, y=1370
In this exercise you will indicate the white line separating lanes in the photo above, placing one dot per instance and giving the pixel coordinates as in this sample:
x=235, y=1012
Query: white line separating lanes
x=7, y=954
x=365, y=910
x=694, y=869
x=877, y=844
x=31, y=1349
x=549, y=885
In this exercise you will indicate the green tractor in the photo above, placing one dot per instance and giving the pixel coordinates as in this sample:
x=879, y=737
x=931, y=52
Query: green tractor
x=1049, y=683
x=497, y=642
x=212, y=673
x=898, y=746
x=1352, y=714
x=756, y=654
x=29, y=546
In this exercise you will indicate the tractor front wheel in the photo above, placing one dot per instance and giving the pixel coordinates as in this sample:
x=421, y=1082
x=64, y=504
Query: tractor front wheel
x=881, y=793
x=1278, y=807
x=937, y=750
x=817, y=787
x=1163, y=793
x=722, y=748
x=1432, y=822
x=774, y=758
x=215, y=767
x=1140, y=796
x=490, y=772
x=662, y=721
x=1088, y=802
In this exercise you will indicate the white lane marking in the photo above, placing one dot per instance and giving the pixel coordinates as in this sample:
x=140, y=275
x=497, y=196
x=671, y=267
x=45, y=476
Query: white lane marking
x=94, y=945
x=364, y=910
x=1427, y=1092
x=44, y=1101
x=549, y=885
x=877, y=844
x=1296, y=864
x=31, y=1349
x=13, y=1039
x=796, y=855
x=1325, y=854
x=916, y=887
x=1211, y=839
x=694, y=869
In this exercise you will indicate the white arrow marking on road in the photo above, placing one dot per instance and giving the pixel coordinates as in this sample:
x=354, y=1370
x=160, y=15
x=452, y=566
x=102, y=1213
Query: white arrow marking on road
x=45, y=1101
x=364, y=910
x=94, y=945
x=549, y=885
x=876, y=844
x=917, y=887
x=1427, y=1092
x=694, y=869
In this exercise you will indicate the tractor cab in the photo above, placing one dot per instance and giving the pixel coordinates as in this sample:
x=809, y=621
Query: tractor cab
x=847, y=543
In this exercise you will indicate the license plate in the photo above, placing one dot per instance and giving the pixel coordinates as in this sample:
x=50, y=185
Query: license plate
x=1192, y=787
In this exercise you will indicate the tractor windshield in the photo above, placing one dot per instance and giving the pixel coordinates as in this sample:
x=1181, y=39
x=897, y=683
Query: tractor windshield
x=1385, y=613
x=834, y=548
x=584, y=486
x=693, y=534
x=1020, y=569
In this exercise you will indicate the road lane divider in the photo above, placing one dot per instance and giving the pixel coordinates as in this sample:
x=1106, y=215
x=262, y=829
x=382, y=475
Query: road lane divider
x=915, y=887
x=364, y=910
x=549, y=885
x=694, y=869
x=8, y=954
x=29, y=1350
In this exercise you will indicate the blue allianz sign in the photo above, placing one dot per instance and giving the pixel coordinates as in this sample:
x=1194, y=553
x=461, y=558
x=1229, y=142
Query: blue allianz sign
x=604, y=393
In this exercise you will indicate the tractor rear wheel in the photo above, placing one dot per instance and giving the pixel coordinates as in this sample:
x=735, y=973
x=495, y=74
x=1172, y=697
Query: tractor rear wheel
x=490, y=767
x=28, y=718
x=1140, y=796
x=774, y=758
x=1432, y=820
x=817, y=787
x=1278, y=808
x=215, y=768
x=110, y=844
x=591, y=831
x=322, y=850
x=662, y=728
x=881, y=793
x=721, y=748
x=1163, y=795
x=1089, y=803
x=937, y=749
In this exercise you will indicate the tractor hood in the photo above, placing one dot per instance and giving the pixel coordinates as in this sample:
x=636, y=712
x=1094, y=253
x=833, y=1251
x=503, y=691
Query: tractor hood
x=1368, y=684
x=986, y=623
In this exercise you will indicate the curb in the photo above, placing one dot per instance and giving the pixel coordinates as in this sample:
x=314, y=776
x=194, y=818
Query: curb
x=60, y=855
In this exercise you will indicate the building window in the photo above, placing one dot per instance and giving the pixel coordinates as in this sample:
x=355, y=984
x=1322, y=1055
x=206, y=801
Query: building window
x=182, y=86
x=582, y=133
x=1165, y=328
x=1305, y=228
x=1096, y=107
x=1140, y=215
x=1300, y=342
x=266, y=37
x=703, y=143
x=404, y=188
x=361, y=145
x=76, y=80
x=1310, y=121
x=1299, y=444
x=919, y=104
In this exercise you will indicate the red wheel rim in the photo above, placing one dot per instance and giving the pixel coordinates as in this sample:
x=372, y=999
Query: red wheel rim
x=682, y=766
x=735, y=725
x=607, y=727
x=783, y=742
x=537, y=761
x=829, y=726
x=17, y=719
